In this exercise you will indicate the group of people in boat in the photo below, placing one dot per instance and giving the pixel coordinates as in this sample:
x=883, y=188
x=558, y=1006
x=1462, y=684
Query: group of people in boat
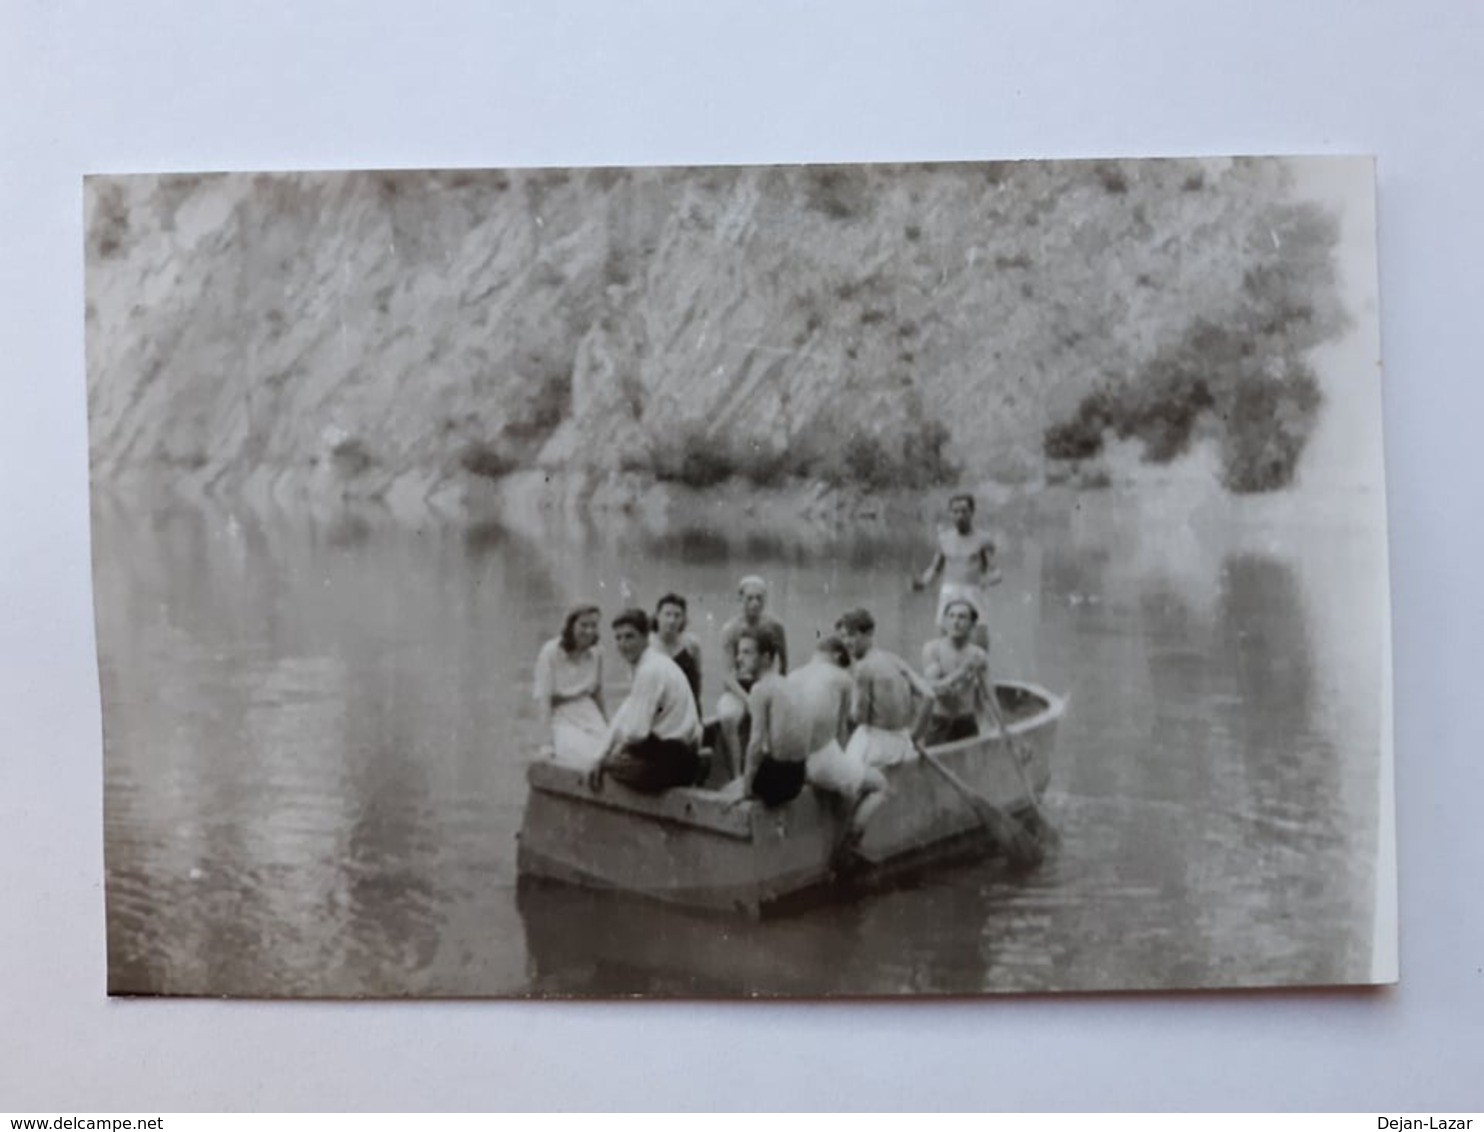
x=834, y=723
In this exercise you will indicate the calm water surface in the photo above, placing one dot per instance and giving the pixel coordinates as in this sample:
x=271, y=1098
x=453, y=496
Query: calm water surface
x=315, y=733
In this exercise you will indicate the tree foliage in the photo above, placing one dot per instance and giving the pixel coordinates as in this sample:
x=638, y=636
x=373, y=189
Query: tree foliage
x=1243, y=377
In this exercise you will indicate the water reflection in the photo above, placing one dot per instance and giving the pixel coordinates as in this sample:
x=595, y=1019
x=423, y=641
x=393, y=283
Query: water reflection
x=315, y=731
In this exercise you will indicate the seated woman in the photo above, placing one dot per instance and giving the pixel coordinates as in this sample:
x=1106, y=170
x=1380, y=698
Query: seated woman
x=670, y=638
x=569, y=691
x=958, y=672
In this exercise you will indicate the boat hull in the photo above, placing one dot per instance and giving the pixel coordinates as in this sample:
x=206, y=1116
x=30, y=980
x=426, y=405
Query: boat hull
x=689, y=847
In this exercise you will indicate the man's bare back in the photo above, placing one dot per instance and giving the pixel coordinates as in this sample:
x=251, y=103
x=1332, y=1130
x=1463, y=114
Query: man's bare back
x=815, y=708
x=884, y=688
x=769, y=737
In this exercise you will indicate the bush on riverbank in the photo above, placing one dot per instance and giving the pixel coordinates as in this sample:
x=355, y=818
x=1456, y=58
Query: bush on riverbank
x=479, y=458
x=862, y=461
x=1244, y=379
x=698, y=459
x=1215, y=381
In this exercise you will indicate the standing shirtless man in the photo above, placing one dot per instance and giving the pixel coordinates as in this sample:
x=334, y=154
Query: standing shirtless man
x=966, y=559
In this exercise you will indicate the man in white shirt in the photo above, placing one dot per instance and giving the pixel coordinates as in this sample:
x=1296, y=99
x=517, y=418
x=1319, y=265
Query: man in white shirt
x=654, y=740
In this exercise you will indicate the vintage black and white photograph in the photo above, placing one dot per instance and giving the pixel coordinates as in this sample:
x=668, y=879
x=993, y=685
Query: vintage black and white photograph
x=749, y=581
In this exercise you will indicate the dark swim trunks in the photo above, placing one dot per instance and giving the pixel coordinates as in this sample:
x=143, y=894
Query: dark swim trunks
x=690, y=664
x=776, y=783
x=950, y=730
x=653, y=765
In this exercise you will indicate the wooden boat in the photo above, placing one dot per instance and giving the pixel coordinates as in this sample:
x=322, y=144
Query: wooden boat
x=689, y=847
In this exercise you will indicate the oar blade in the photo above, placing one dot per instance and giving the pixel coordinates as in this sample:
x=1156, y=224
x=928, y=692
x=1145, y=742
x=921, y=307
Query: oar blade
x=1020, y=847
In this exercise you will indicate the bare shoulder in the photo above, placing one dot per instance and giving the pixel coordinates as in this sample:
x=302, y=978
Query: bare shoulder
x=766, y=690
x=880, y=665
x=819, y=676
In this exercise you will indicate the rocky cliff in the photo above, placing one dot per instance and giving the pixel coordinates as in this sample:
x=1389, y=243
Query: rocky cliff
x=418, y=335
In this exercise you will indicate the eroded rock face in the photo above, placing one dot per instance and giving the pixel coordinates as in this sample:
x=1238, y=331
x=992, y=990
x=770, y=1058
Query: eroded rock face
x=414, y=334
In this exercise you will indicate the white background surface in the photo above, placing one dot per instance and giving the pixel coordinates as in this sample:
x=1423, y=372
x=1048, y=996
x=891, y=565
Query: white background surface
x=172, y=86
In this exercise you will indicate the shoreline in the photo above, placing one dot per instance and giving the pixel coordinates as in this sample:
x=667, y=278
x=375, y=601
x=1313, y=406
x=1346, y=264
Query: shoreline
x=541, y=504
x=535, y=501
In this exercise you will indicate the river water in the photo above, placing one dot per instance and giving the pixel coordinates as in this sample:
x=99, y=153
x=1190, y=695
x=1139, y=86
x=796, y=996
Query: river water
x=315, y=731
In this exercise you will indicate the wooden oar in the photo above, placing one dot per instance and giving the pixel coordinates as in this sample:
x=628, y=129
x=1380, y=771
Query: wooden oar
x=1013, y=752
x=1021, y=848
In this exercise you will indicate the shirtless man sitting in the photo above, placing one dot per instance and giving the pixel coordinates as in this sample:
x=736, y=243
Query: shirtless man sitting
x=801, y=725
x=958, y=671
x=773, y=771
x=966, y=559
x=816, y=701
x=731, y=708
x=891, y=703
x=734, y=723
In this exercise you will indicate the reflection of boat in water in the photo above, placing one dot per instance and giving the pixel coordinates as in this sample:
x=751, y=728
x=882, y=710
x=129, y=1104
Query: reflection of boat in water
x=689, y=847
x=586, y=942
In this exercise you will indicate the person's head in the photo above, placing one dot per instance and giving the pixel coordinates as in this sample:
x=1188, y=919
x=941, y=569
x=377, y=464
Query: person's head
x=756, y=654
x=670, y=616
x=857, y=630
x=580, y=628
x=961, y=510
x=753, y=592
x=833, y=650
x=631, y=634
x=959, y=618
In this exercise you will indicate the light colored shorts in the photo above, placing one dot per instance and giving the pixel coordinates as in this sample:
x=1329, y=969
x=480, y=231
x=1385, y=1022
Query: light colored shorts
x=832, y=770
x=876, y=746
x=730, y=707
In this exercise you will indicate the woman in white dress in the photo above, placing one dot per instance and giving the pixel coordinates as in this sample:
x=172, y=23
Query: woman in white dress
x=569, y=690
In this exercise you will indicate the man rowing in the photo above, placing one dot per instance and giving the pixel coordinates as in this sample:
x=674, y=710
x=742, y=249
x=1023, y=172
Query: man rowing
x=654, y=740
x=966, y=559
x=958, y=671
